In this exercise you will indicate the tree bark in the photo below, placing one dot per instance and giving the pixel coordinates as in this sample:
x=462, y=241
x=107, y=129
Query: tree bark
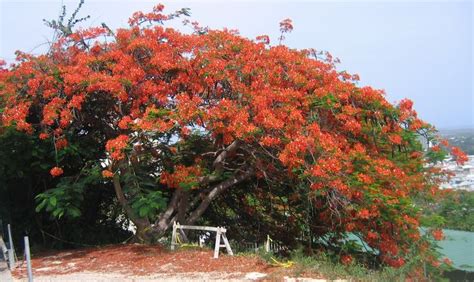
x=163, y=220
x=176, y=212
x=219, y=161
x=142, y=224
x=216, y=191
x=180, y=207
x=183, y=206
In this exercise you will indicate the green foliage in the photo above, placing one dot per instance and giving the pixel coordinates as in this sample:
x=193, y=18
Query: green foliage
x=455, y=211
x=326, y=102
x=464, y=139
x=188, y=185
x=436, y=156
x=149, y=204
x=433, y=220
x=328, y=265
x=158, y=113
x=79, y=208
x=60, y=201
x=66, y=198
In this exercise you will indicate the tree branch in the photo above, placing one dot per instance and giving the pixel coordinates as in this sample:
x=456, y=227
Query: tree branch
x=216, y=191
x=162, y=221
x=139, y=222
x=219, y=161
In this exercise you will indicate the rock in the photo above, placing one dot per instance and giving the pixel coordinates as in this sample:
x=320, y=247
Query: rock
x=254, y=275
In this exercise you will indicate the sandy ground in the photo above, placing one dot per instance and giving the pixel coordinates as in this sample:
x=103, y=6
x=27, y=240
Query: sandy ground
x=120, y=277
x=181, y=277
x=151, y=263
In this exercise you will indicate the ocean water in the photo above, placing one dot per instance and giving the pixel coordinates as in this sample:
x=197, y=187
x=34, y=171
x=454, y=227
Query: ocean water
x=458, y=246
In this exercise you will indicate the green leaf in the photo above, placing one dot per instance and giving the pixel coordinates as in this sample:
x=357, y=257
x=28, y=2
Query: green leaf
x=53, y=201
x=74, y=212
x=144, y=210
x=42, y=204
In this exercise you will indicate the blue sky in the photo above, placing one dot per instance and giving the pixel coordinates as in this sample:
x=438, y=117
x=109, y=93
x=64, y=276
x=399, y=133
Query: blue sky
x=420, y=50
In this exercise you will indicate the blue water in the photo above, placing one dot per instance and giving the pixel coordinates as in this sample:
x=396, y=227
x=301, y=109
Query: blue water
x=458, y=246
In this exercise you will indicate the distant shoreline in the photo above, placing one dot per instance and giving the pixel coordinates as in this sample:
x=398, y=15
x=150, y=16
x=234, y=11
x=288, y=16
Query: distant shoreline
x=450, y=131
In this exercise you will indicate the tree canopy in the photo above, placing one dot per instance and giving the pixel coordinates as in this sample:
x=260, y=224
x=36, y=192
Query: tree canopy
x=181, y=121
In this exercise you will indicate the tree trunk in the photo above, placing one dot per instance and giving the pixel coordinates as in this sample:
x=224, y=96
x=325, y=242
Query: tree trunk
x=183, y=206
x=143, y=225
x=216, y=191
x=176, y=211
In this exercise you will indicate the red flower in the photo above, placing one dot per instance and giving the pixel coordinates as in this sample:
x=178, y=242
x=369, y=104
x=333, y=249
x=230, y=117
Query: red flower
x=365, y=178
x=61, y=143
x=396, y=262
x=182, y=175
x=116, y=146
x=406, y=105
x=43, y=136
x=438, y=234
x=459, y=155
x=364, y=213
x=124, y=123
x=395, y=139
x=372, y=235
x=346, y=259
x=107, y=173
x=56, y=171
x=317, y=186
x=435, y=148
x=447, y=261
x=263, y=39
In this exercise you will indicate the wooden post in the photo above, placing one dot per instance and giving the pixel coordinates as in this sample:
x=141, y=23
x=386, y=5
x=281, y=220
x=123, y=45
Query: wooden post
x=184, y=238
x=220, y=232
x=227, y=245
x=11, y=251
x=173, y=236
x=218, y=242
x=267, y=244
x=28, y=259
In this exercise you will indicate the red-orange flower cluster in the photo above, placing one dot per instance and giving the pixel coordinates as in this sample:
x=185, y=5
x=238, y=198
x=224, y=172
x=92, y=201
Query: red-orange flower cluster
x=182, y=177
x=346, y=259
x=116, y=147
x=107, y=173
x=56, y=171
x=437, y=234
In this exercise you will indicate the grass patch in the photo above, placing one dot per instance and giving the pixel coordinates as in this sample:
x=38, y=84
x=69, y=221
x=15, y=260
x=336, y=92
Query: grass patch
x=327, y=267
x=323, y=265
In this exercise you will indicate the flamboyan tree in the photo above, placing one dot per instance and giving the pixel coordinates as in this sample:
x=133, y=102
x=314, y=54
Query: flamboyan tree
x=187, y=117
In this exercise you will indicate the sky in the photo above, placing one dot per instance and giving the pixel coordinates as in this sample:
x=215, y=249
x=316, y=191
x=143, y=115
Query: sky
x=421, y=50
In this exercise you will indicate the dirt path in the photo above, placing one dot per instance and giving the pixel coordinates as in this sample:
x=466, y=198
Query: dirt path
x=120, y=277
x=150, y=263
x=176, y=277
x=141, y=263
